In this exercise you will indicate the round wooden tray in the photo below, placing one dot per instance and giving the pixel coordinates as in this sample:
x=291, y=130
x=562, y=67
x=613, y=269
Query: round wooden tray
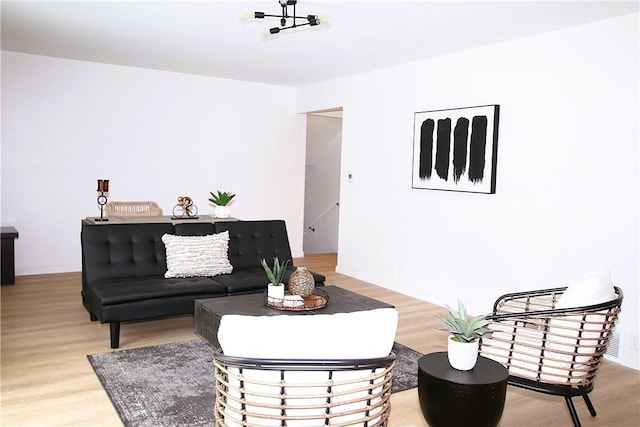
x=318, y=300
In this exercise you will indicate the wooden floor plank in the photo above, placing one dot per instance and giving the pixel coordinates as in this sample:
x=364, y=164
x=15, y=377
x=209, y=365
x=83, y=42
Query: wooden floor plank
x=47, y=380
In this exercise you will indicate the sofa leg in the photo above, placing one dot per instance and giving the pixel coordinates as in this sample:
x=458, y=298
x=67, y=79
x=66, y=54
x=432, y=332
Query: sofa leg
x=93, y=317
x=115, y=334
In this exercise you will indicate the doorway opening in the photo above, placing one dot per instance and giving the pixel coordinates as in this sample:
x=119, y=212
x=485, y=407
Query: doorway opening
x=322, y=182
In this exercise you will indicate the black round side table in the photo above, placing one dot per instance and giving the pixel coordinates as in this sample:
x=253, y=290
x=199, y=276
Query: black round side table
x=449, y=397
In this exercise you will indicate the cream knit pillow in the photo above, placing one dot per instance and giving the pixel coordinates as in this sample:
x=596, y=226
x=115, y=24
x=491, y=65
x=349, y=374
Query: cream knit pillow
x=191, y=256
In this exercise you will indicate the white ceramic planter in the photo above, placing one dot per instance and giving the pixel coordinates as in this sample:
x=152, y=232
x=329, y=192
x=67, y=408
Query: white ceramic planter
x=222, y=212
x=462, y=355
x=275, y=293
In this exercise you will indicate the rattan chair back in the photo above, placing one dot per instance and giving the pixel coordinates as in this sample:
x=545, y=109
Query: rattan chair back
x=256, y=392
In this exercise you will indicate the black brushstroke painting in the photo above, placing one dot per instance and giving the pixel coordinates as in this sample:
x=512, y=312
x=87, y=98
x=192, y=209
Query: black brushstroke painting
x=464, y=157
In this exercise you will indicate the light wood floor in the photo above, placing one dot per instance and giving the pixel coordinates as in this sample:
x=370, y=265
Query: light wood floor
x=47, y=380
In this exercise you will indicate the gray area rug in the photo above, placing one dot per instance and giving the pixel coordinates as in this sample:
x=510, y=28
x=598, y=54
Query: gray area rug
x=172, y=384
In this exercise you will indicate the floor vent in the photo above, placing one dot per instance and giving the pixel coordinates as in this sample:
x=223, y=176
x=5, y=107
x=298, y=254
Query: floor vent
x=614, y=345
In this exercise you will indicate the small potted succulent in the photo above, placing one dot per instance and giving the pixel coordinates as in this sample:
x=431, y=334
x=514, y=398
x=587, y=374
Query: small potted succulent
x=462, y=348
x=221, y=200
x=275, y=274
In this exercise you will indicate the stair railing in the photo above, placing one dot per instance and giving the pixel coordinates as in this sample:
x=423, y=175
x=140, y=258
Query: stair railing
x=319, y=217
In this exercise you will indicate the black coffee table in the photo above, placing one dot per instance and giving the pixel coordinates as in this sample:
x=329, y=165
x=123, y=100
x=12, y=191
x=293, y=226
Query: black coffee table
x=209, y=311
x=452, y=398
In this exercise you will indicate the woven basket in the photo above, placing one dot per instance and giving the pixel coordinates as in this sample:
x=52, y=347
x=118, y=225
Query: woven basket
x=137, y=208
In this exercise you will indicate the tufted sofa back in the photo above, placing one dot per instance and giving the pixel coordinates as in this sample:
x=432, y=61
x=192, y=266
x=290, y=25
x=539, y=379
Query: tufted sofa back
x=123, y=251
x=117, y=251
x=251, y=241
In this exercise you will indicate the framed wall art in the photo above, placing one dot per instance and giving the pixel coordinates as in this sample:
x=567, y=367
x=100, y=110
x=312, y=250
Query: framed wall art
x=456, y=149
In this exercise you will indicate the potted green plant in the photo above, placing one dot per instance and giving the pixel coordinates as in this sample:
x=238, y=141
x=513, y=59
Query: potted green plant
x=465, y=331
x=221, y=200
x=275, y=274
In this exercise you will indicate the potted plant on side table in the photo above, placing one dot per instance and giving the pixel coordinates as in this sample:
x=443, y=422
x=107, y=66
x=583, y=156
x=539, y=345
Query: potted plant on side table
x=221, y=200
x=275, y=289
x=462, y=344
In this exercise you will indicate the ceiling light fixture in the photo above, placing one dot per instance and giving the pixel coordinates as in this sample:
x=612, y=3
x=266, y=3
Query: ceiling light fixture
x=311, y=20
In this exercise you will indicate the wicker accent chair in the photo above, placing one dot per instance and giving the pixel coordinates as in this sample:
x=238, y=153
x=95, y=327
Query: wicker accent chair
x=134, y=208
x=549, y=347
x=324, y=369
x=302, y=392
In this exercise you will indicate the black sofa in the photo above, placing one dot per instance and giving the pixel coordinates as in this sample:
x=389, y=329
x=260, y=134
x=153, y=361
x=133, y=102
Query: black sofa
x=123, y=268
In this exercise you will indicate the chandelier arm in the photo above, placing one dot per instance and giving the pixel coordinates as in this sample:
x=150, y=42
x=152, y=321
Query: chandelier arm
x=306, y=18
x=294, y=26
x=276, y=30
x=289, y=16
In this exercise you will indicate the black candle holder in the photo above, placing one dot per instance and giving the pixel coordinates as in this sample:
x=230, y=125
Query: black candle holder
x=103, y=187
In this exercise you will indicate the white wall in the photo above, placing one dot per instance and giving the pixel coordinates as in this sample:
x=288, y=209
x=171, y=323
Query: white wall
x=567, y=180
x=322, y=184
x=156, y=135
x=567, y=188
x=321, y=96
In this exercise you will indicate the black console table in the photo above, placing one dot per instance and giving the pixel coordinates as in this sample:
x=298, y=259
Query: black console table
x=165, y=219
x=452, y=398
x=9, y=234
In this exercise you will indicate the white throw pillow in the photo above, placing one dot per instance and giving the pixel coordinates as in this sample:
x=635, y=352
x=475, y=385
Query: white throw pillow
x=571, y=337
x=191, y=256
x=594, y=288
